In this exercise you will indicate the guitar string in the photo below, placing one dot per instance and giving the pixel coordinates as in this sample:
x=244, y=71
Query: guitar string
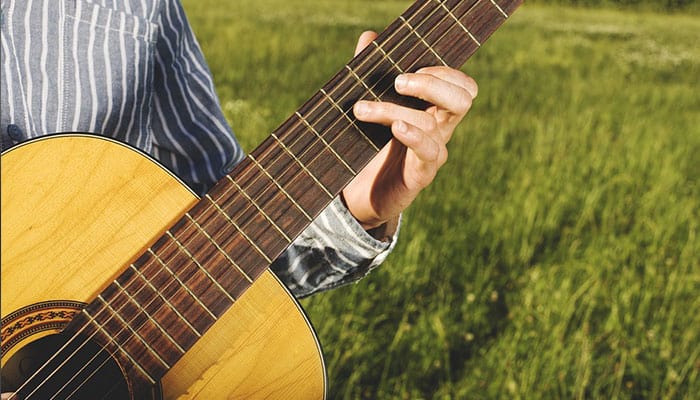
x=355, y=84
x=431, y=14
x=276, y=183
x=285, y=150
x=268, y=150
x=104, y=309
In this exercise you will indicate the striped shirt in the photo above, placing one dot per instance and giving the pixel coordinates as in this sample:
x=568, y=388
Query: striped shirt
x=133, y=70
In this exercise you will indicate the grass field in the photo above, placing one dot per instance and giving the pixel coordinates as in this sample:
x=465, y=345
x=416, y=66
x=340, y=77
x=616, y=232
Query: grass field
x=557, y=254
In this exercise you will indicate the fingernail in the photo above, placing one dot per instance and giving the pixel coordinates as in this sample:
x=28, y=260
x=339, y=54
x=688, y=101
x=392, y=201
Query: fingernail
x=401, y=127
x=401, y=82
x=361, y=109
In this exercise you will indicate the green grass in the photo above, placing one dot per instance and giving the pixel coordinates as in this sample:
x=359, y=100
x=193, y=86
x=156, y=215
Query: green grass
x=557, y=253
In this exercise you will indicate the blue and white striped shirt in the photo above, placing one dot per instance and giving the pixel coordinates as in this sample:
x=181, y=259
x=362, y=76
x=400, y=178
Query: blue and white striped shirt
x=133, y=70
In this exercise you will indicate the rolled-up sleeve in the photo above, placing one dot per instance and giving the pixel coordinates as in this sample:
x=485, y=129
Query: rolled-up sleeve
x=193, y=139
x=333, y=251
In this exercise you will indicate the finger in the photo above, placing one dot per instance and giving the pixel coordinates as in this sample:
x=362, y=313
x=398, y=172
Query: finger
x=454, y=76
x=444, y=94
x=422, y=144
x=386, y=114
x=364, y=40
x=429, y=154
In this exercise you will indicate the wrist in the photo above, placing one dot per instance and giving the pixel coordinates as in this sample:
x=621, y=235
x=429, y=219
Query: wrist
x=385, y=231
x=374, y=226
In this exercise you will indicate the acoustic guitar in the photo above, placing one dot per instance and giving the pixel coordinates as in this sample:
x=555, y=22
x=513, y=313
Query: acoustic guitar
x=118, y=282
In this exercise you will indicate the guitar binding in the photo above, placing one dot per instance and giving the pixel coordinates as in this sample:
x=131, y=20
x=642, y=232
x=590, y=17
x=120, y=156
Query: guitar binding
x=35, y=335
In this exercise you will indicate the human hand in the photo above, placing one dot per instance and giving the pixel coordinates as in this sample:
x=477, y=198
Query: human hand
x=410, y=161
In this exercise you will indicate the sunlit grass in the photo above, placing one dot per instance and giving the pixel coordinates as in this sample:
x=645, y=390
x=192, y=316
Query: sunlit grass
x=557, y=253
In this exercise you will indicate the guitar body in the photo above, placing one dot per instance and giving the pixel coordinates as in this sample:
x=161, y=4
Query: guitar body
x=78, y=209
x=119, y=283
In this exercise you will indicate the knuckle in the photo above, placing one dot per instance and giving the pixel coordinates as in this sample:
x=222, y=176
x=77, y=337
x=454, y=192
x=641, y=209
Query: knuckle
x=442, y=158
x=435, y=156
x=430, y=124
x=464, y=103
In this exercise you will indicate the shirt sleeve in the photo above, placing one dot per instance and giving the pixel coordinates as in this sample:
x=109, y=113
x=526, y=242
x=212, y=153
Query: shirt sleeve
x=333, y=251
x=193, y=139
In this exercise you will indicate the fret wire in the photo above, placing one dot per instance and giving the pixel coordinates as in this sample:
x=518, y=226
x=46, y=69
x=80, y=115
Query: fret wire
x=206, y=272
x=330, y=195
x=349, y=68
x=232, y=222
x=464, y=28
x=336, y=105
x=352, y=122
x=240, y=230
x=342, y=112
x=499, y=9
x=378, y=47
x=308, y=125
x=423, y=40
x=396, y=65
x=114, y=312
x=211, y=239
x=83, y=327
x=255, y=204
x=291, y=153
x=99, y=326
x=471, y=9
x=387, y=57
x=280, y=188
x=136, y=334
x=235, y=225
x=182, y=284
x=414, y=46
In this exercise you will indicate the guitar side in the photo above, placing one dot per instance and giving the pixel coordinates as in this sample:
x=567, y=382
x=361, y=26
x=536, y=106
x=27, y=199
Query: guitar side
x=77, y=209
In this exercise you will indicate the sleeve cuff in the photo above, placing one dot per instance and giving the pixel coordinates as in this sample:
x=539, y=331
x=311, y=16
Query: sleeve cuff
x=333, y=251
x=378, y=241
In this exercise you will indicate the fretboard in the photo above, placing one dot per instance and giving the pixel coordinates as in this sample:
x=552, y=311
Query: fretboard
x=162, y=303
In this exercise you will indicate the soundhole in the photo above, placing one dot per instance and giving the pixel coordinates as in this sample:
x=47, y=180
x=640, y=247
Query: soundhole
x=73, y=371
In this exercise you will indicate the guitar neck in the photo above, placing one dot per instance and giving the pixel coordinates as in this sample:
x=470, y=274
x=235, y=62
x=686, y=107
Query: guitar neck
x=305, y=163
x=221, y=246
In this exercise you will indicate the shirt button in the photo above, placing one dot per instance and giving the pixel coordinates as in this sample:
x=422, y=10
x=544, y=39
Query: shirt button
x=15, y=132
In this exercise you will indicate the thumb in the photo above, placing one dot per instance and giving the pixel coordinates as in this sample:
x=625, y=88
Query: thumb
x=365, y=39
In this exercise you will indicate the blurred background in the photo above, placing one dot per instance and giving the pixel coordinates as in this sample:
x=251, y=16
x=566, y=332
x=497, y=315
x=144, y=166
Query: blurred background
x=557, y=253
